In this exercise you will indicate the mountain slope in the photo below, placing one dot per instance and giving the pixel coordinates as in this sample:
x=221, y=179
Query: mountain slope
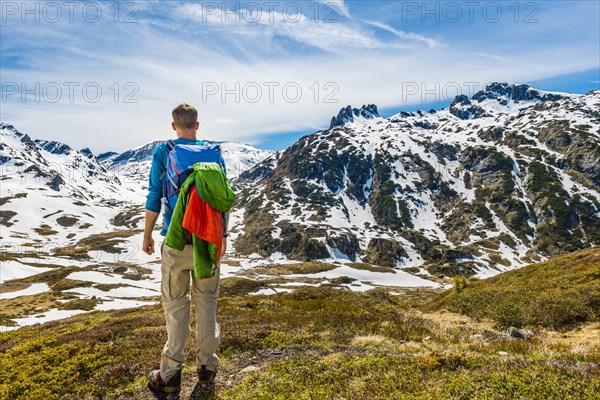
x=493, y=182
x=559, y=293
x=135, y=163
x=500, y=179
x=52, y=193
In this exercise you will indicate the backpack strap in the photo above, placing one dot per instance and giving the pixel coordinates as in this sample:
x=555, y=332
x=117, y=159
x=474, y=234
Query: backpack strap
x=169, y=145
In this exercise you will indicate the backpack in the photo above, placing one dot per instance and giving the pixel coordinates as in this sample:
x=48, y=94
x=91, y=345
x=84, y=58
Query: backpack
x=180, y=162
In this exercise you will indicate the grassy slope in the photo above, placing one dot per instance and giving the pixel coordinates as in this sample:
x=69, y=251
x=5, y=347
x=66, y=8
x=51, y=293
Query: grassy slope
x=316, y=343
x=559, y=293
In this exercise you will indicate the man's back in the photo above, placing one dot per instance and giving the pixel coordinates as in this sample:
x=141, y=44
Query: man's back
x=158, y=174
x=177, y=266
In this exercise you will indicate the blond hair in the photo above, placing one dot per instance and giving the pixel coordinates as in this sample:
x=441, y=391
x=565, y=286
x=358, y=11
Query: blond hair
x=185, y=116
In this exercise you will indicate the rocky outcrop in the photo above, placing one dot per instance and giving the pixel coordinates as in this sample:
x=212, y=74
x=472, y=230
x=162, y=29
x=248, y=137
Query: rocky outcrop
x=346, y=244
x=54, y=147
x=385, y=252
x=515, y=92
x=348, y=114
x=462, y=108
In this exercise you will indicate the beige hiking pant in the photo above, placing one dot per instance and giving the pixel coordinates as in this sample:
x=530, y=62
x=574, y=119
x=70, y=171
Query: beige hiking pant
x=177, y=271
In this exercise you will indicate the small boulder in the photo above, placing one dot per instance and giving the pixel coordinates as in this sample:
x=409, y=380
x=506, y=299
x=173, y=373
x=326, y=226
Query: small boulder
x=248, y=369
x=519, y=333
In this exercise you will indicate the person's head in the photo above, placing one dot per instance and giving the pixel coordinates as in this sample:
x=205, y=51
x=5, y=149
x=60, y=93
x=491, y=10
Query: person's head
x=185, y=120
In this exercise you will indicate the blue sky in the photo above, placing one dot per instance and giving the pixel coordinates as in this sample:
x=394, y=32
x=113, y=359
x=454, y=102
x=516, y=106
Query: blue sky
x=92, y=74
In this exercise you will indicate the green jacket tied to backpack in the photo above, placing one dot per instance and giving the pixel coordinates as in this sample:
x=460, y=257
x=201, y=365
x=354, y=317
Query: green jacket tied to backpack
x=210, y=186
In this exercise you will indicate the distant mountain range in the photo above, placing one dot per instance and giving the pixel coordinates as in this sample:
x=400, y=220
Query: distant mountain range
x=54, y=193
x=498, y=180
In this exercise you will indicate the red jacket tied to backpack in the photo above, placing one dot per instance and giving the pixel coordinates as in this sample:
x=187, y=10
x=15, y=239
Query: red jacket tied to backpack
x=203, y=221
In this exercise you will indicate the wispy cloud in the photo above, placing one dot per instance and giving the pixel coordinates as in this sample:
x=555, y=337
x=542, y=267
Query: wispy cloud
x=404, y=35
x=493, y=57
x=337, y=37
x=173, y=56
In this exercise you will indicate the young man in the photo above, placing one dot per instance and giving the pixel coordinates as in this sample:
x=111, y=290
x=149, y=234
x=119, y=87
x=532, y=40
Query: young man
x=177, y=269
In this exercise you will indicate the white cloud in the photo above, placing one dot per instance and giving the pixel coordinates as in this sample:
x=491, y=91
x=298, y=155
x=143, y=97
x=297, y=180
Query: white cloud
x=380, y=79
x=268, y=24
x=404, y=35
x=172, y=60
x=493, y=57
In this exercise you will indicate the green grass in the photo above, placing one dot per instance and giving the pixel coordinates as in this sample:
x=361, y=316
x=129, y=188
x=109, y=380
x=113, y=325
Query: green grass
x=321, y=343
x=559, y=293
x=310, y=267
x=80, y=304
x=237, y=286
x=85, y=357
x=434, y=376
x=108, y=242
x=372, y=268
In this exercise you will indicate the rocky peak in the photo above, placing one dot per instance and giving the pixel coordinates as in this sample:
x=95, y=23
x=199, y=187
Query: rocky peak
x=348, y=114
x=462, y=108
x=53, y=147
x=515, y=92
x=10, y=130
x=102, y=157
x=87, y=153
x=142, y=153
x=481, y=104
x=8, y=127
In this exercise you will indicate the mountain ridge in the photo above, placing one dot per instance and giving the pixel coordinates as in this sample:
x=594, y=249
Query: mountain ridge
x=400, y=177
x=43, y=178
x=392, y=191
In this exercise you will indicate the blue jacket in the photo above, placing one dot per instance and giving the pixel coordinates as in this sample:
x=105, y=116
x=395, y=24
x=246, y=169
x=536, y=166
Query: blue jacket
x=157, y=170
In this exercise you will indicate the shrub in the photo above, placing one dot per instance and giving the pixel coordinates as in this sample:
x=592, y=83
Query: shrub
x=459, y=282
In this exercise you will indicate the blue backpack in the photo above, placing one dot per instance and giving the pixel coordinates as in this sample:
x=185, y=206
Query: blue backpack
x=180, y=162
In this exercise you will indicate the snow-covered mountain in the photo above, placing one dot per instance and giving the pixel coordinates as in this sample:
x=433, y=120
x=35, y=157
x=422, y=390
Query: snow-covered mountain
x=53, y=193
x=135, y=163
x=494, y=181
x=502, y=178
x=497, y=180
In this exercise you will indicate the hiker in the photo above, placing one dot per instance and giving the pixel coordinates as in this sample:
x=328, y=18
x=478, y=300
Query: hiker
x=188, y=179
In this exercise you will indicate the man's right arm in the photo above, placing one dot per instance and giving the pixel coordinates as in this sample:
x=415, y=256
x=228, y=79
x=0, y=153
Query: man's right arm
x=153, y=200
x=148, y=245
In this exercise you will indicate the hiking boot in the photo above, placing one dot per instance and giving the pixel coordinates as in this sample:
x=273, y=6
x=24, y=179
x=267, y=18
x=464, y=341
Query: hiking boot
x=206, y=384
x=173, y=386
